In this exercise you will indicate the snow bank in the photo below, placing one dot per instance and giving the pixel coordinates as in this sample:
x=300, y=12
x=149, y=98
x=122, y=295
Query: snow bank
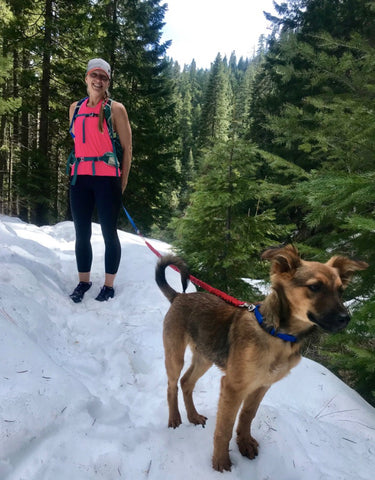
x=83, y=386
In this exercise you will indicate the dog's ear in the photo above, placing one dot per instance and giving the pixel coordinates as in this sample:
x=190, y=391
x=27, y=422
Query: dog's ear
x=346, y=267
x=285, y=259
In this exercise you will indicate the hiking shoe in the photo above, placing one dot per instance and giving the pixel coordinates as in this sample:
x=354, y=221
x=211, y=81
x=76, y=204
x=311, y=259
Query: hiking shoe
x=105, y=294
x=79, y=291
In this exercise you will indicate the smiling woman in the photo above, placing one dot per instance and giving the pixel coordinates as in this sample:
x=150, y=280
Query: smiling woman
x=98, y=177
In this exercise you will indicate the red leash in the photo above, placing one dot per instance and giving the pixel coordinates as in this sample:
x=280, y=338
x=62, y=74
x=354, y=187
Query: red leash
x=227, y=298
x=218, y=293
x=196, y=281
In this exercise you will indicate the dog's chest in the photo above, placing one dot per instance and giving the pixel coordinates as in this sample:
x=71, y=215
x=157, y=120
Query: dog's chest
x=281, y=364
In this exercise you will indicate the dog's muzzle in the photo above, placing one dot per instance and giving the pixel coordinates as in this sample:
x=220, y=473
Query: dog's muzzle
x=331, y=322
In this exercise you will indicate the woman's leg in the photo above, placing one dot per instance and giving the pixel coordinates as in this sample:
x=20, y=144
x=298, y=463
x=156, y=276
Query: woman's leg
x=109, y=279
x=108, y=198
x=82, y=202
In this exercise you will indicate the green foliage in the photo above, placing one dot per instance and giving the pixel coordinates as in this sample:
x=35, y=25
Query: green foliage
x=352, y=353
x=143, y=82
x=335, y=198
x=313, y=105
x=217, y=106
x=336, y=133
x=8, y=104
x=230, y=219
x=334, y=127
x=246, y=154
x=48, y=54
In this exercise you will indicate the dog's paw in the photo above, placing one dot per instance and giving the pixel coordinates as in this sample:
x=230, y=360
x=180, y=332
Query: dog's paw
x=198, y=419
x=248, y=447
x=175, y=421
x=221, y=464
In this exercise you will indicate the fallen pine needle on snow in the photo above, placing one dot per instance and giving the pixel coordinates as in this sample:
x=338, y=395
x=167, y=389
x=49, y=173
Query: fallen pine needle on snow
x=148, y=468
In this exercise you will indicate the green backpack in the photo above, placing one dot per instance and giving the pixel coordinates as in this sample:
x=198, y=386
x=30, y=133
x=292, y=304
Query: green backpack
x=111, y=158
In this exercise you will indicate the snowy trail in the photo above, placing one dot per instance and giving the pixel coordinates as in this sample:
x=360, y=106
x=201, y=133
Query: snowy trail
x=83, y=386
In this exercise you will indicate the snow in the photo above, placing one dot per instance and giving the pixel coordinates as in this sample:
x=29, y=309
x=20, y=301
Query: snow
x=83, y=386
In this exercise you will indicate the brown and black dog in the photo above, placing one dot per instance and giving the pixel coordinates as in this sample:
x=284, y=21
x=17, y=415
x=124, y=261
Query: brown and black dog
x=303, y=295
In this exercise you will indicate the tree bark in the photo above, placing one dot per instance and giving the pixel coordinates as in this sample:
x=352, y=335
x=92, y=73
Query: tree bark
x=42, y=203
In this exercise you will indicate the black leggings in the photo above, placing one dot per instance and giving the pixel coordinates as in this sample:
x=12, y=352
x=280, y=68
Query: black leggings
x=105, y=193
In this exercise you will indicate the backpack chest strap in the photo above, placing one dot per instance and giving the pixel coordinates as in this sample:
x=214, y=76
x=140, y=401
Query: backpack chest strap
x=85, y=115
x=111, y=158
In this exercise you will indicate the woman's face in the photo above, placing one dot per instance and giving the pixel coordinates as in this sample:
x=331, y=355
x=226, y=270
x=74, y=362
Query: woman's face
x=97, y=82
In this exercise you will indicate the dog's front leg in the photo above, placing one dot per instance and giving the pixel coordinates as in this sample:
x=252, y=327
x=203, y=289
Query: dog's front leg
x=247, y=445
x=173, y=364
x=229, y=403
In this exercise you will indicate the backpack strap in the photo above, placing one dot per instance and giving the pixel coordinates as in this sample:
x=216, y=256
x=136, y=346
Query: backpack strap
x=76, y=110
x=108, y=116
x=107, y=157
x=112, y=134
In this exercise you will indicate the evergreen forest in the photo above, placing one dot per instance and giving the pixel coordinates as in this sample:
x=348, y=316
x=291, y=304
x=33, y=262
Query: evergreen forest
x=249, y=153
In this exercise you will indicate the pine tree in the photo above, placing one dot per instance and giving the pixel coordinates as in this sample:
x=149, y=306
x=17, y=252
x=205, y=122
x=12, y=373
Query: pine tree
x=351, y=353
x=242, y=97
x=49, y=49
x=143, y=83
x=40, y=39
x=16, y=37
x=8, y=106
x=281, y=78
x=190, y=84
x=230, y=219
x=43, y=170
x=334, y=130
x=217, y=107
x=195, y=81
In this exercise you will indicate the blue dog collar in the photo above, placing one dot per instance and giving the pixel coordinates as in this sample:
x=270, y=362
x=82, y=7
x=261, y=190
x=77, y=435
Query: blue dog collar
x=272, y=331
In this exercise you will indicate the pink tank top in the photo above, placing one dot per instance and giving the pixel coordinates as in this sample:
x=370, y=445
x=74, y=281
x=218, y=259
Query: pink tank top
x=90, y=142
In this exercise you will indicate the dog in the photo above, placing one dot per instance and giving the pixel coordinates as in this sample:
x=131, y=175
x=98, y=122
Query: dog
x=252, y=353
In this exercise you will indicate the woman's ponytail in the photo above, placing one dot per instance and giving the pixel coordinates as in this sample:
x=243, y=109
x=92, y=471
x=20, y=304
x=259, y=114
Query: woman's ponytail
x=101, y=113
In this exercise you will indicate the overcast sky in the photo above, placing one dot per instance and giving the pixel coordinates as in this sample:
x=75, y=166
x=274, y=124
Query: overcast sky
x=199, y=29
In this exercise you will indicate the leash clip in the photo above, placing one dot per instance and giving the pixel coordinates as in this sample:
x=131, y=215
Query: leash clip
x=250, y=307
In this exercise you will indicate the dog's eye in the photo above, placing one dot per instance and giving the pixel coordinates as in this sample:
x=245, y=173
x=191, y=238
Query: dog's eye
x=315, y=287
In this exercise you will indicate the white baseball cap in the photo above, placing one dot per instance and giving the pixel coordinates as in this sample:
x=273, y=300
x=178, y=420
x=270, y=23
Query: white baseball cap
x=99, y=64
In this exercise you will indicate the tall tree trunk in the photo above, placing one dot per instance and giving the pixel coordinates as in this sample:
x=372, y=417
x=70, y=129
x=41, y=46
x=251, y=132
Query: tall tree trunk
x=5, y=151
x=24, y=167
x=15, y=137
x=111, y=12
x=228, y=234
x=3, y=166
x=42, y=203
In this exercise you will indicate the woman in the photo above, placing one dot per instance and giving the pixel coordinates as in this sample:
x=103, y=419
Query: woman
x=97, y=182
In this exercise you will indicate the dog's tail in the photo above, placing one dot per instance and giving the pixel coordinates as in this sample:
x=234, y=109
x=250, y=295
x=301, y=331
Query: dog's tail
x=162, y=264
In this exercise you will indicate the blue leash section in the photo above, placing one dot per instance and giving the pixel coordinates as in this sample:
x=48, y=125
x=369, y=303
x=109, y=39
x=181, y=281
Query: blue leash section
x=131, y=221
x=250, y=307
